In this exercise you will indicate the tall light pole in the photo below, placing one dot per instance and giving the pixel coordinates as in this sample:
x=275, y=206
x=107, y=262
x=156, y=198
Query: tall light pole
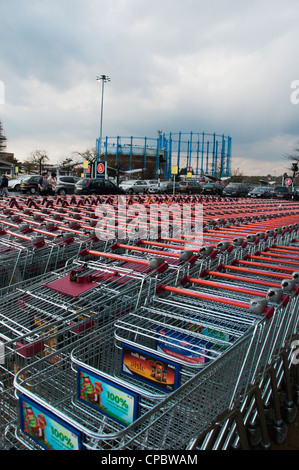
x=104, y=79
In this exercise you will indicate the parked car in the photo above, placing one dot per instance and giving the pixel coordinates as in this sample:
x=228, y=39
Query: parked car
x=165, y=187
x=134, y=186
x=262, y=192
x=66, y=185
x=97, y=186
x=212, y=188
x=15, y=183
x=150, y=184
x=236, y=190
x=283, y=192
x=30, y=184
x=189, y=187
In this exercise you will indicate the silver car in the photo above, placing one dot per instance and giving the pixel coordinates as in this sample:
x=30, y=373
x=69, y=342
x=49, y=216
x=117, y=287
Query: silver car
x=134, y=186
x=151, y=184
x=15, y=183
x=165, y=187
x=66, y=185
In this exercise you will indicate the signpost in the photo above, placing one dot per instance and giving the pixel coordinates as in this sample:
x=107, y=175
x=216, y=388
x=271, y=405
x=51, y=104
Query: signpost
x=288, y=181
x=101, y=169
x=174, y=171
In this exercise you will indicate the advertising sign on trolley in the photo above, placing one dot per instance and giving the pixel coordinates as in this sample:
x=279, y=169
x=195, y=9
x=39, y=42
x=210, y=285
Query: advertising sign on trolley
x=147, y=367
x=48, y=430
x=111, y=399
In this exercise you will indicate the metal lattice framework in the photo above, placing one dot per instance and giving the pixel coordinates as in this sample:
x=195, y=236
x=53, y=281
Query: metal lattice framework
x=203, y=152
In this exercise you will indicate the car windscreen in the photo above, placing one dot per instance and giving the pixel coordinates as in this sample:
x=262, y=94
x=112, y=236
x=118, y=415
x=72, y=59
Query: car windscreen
x=259, y=190
x=281, y=189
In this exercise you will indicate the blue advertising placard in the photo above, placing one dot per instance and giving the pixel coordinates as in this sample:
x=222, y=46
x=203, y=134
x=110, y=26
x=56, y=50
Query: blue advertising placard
x=48, y=430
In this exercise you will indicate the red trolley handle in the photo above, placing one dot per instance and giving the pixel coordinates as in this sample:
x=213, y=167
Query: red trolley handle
x=263, y=307
x=157, y=264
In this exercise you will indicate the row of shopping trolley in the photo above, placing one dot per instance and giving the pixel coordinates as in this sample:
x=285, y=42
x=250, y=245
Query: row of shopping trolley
x=38, y=235
x=172, y=343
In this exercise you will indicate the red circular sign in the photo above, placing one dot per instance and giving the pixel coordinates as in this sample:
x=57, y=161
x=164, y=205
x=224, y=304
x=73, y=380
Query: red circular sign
x=101, y=168
x=288, y=182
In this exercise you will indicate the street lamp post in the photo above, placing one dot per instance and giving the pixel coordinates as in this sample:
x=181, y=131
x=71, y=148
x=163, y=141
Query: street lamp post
x=104, y=79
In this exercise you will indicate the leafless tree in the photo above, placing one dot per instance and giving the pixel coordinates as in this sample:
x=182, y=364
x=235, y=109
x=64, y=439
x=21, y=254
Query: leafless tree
x=35, y=161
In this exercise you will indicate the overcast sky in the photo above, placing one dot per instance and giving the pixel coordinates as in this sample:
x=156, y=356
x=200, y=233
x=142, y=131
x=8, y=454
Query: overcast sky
x=224, y=66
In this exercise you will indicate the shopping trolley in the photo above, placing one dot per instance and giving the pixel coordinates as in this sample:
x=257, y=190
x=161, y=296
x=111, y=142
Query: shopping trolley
x=276, y=369
x=160, y=420
x=230, y=365
x=31, y=248
x=74, y=299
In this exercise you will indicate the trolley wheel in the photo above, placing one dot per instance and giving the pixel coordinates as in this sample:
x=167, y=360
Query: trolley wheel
x=280, y=433
x=264, y=446
x=254, y=435
x=290, y=413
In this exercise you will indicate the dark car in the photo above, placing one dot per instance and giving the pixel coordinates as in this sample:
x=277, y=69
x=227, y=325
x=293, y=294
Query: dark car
x=30, y=184
x=283, y=192
x=262, y=192
x=189, y=187
x=97, y=186
x=236, y=190
x=212, y=188
x=65, y=185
